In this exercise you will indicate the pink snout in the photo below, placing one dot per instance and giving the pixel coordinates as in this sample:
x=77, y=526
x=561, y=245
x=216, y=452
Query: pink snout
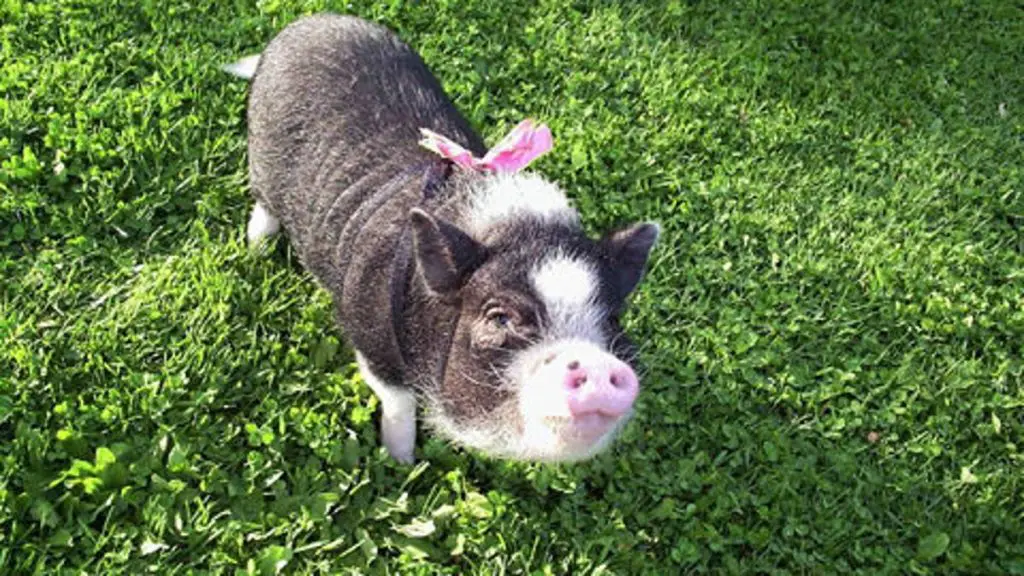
x=607, y=387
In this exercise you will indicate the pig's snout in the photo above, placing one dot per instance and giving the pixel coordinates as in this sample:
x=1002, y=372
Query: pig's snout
x=600, y=385
x=574, y=398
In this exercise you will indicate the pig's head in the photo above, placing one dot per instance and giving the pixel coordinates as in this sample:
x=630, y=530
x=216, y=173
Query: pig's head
x=539, y=367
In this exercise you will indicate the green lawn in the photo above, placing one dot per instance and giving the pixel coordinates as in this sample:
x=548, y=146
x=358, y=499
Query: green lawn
x=833, y=325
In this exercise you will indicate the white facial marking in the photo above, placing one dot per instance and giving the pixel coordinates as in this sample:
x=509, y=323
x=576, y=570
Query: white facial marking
x=568, y=287
x=261, y=225
x=398, y=414
x=506, y=196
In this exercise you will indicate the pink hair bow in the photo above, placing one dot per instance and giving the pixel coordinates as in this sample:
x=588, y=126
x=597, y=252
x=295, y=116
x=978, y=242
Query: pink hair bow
x=518, y=148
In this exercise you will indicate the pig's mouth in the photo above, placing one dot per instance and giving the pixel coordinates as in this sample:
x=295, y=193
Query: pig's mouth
x=587, y=428
x=583, y=437
x=507, y=434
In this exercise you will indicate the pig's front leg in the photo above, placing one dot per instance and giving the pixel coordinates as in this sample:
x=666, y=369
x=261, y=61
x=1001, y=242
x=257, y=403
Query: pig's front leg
x=398, y=414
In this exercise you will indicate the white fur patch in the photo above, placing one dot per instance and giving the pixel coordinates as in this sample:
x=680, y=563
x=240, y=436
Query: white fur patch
x=506, y=196
x=398, y=414
x=568, y=287
x=261, y=225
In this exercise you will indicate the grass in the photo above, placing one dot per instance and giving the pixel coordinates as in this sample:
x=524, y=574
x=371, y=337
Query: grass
x=833, y=323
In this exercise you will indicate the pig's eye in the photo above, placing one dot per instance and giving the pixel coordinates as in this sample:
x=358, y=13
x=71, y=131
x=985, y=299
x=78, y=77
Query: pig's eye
x=499, y=318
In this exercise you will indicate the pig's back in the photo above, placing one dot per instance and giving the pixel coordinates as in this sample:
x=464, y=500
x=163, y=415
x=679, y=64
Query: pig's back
x=335, y=109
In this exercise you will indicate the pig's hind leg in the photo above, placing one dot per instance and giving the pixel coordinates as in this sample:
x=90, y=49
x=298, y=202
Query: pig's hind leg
x=398, y=414
x=261, y=225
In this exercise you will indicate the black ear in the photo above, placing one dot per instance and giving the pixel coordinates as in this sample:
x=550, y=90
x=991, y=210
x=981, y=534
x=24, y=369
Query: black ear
x=628, y=249
x=444, y=254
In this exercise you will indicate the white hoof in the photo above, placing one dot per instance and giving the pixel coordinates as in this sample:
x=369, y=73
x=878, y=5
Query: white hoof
x=261, y=225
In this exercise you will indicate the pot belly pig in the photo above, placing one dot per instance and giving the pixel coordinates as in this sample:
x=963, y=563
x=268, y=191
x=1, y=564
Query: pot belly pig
x=465, y=284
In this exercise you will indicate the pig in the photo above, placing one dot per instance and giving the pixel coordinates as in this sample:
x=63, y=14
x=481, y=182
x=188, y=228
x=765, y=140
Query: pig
x=467, y=290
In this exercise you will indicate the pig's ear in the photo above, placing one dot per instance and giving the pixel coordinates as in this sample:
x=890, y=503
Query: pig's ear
x=629, y=249
x=445, y=255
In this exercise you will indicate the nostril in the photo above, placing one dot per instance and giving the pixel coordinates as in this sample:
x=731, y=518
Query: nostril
x=574, y=365
x=622, y=379
x=575, y=382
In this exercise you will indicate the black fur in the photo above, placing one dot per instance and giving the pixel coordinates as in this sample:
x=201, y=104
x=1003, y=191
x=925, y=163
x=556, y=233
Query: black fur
x=335, y=108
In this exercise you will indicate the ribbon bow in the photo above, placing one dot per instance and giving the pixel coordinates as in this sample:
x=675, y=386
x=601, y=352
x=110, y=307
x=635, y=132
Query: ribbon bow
x=518, y=148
